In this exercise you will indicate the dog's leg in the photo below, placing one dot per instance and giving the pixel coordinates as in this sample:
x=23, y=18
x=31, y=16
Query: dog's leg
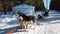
x=21, y=25
x=27, y=27
x=34, y=24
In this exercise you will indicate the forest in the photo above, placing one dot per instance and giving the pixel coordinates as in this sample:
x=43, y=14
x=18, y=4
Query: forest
x=6, y=5
x=55, y=5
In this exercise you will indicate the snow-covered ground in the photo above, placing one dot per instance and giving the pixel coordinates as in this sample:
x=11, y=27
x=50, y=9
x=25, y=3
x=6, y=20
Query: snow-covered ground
x=50, y=25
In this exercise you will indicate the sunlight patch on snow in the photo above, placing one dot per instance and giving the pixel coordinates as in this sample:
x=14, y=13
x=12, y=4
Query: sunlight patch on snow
x=55, y=21
x=10, y=19
x=4, y=26
x=53, y=29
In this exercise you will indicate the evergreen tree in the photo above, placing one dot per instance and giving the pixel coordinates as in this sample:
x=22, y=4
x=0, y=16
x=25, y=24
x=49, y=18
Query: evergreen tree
x=55, y=5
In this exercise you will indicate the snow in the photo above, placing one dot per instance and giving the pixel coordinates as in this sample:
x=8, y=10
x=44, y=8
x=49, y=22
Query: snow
x=24, y=8
x=53, y=28
x=43, y=29
x=50, y=25
x=8, y=22
x=4, y=26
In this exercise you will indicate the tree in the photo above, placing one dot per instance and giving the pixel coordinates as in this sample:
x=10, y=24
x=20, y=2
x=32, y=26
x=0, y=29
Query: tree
x=37, y=3
x=8, y=4
x=1, y=6
x=55, y=5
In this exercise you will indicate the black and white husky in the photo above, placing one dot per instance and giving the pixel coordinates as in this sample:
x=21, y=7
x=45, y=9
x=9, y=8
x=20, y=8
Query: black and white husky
x=26, y=20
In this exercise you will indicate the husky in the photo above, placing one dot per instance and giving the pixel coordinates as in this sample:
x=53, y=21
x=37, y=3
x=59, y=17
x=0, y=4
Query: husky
x=26, y=20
